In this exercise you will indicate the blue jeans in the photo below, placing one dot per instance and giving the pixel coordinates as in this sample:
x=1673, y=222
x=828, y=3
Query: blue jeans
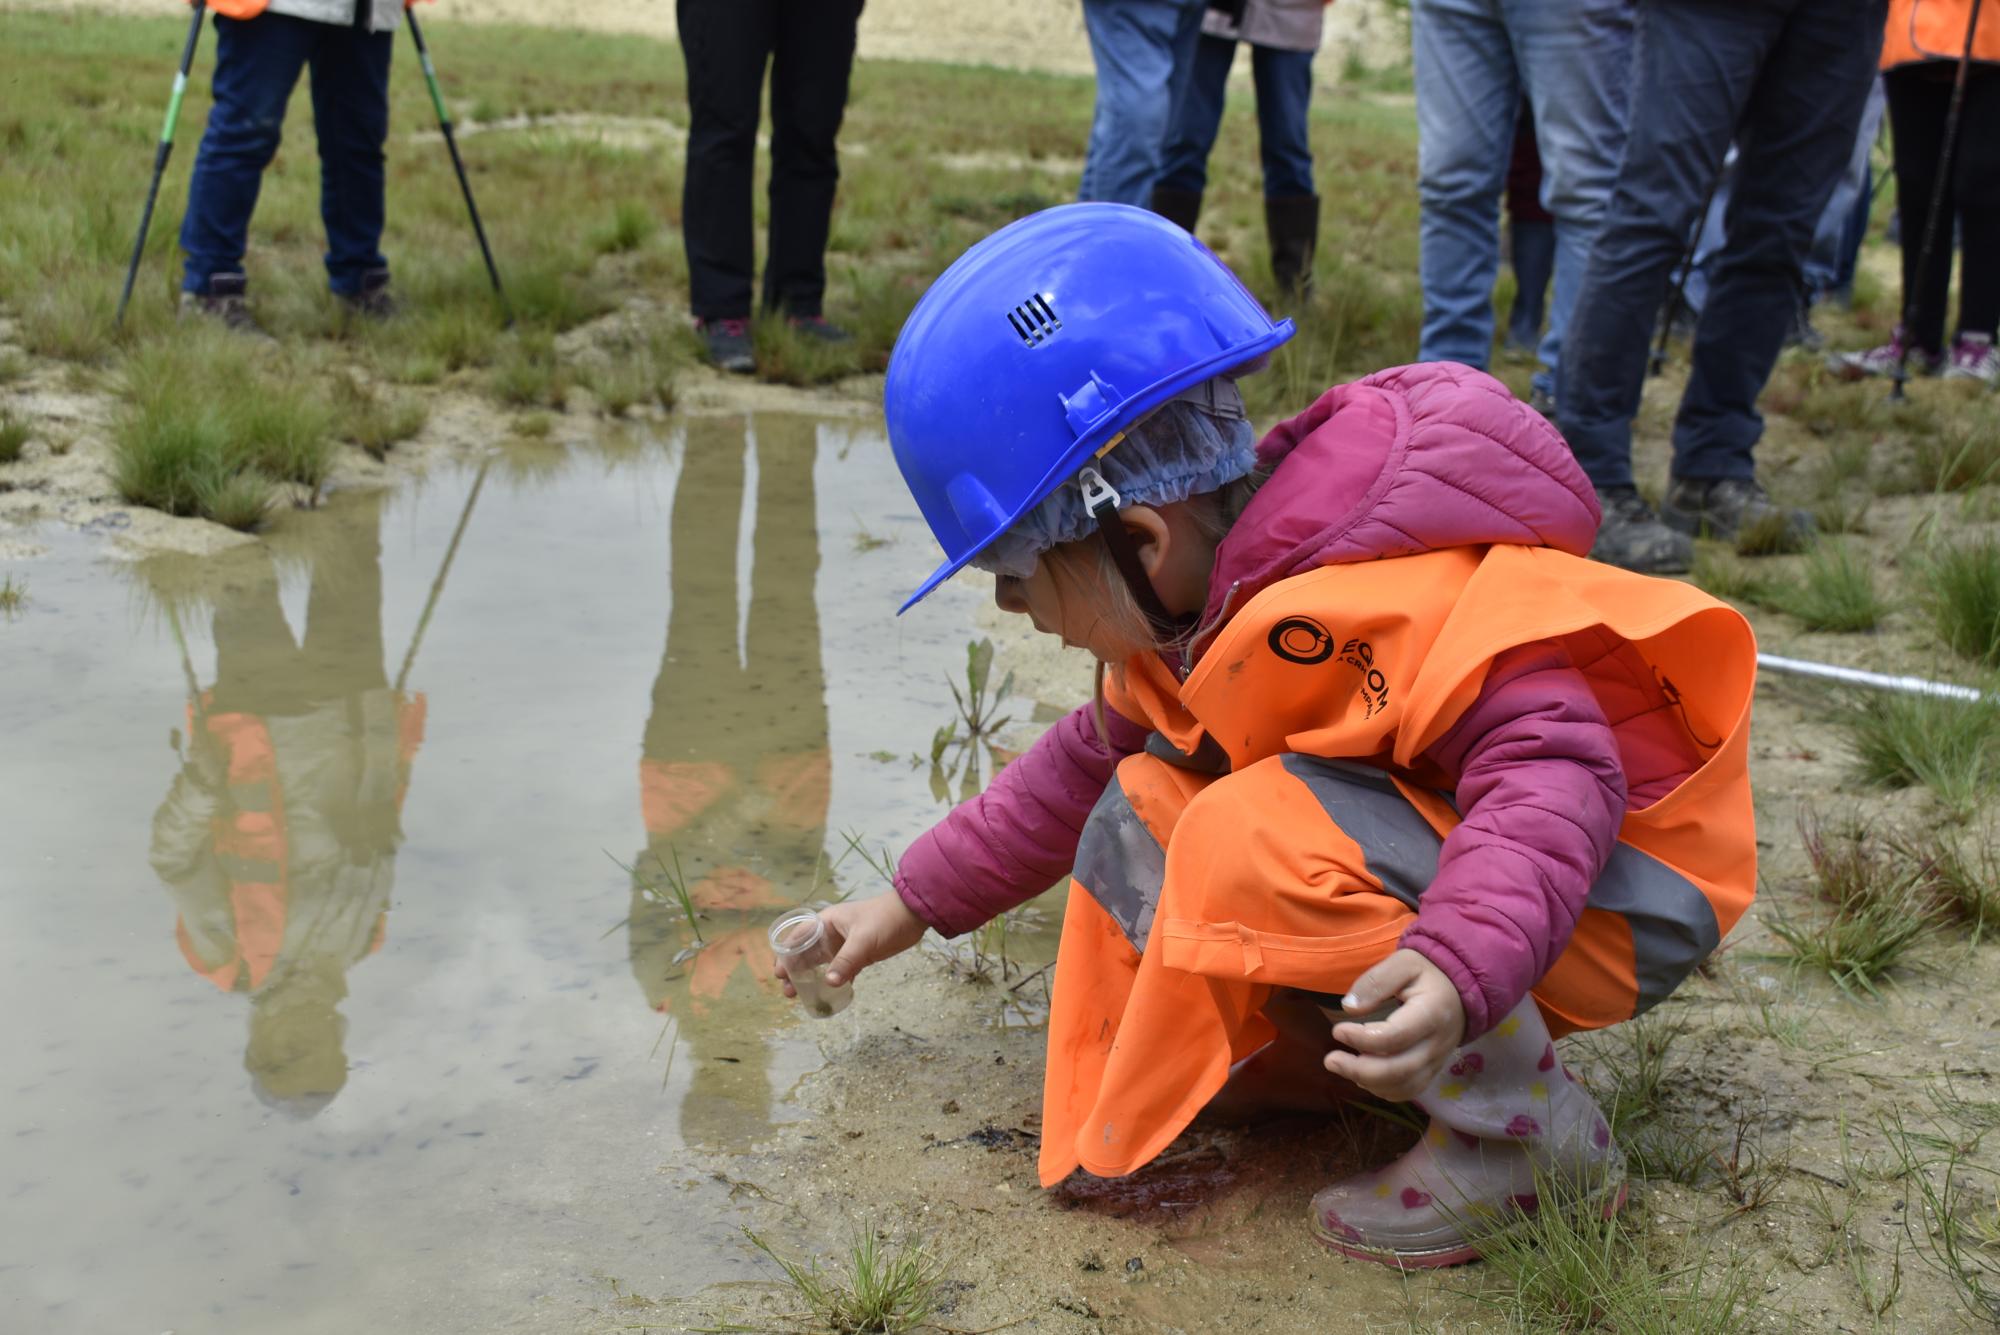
x=1143, y=50
x=1788, y=79
x=1474, y=58
x=257, y=64
x=1284, y=92
x=1827, y=265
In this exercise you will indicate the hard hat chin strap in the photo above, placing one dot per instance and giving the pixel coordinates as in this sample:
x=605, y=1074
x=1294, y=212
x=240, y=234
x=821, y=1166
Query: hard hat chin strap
x=1101, y=502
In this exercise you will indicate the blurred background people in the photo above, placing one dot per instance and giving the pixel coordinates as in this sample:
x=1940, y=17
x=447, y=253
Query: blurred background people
x=1474, y=61
x=1788, y=81
x=1282, y=36
x=278, y=838
x=260, y=50
x=1143, y=50
x=1531, y=240
x=808, y=47
x=1923, y=43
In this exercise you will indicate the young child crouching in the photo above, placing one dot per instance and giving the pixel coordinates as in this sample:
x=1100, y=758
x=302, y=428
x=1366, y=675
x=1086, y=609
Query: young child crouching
x=1371, y=730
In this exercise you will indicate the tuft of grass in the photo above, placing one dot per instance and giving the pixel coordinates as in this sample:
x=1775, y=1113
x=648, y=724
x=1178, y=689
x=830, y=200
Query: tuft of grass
x=1837, y=591
x=1959, y=457
x=631, y=225
x=882, y=1286
x=1961, y=591
x=789, y=357
x=1955, y=1222
x=1568, y=1268
x=530, y=374
x=1948, y=746
x=534, y=426
x=207, y=429
x=1960, y=876
x=13, y=437
x=13, y=366
x=1874, y=909
x=373, y=420
x=13, y=595
x=1719, y=571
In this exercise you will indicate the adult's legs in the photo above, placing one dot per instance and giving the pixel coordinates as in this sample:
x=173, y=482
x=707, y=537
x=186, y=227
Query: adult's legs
x=1197, y=118
x=1284, y=98
x=1827, y=258
x=350, y=97
x=725, y=44
x=1795, y=138
x=1532, y=237
x=1575, y=58
x=1709, y=241
x=809, y=71
x=1694, y=64
x=1142, y=49
x=257, y=64
x=1468, y=90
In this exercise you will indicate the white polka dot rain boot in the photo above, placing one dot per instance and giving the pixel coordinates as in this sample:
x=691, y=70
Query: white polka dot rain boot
x=1507, y=1121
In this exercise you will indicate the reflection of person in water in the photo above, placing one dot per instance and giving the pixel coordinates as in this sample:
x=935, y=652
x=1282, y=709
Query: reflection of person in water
x=278, y=838
x=734, y=770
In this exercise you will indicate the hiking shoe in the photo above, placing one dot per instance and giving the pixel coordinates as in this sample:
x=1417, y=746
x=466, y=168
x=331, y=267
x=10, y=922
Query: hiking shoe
x=374, y=300
x=1884, y=360
x=728, y=344
x=225, y=303
x=1633, y=538
x=817, y=326
x=1973, y=357
x=1738, y=509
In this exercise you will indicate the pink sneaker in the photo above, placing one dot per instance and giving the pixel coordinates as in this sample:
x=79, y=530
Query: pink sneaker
x=1883, y=360
x=1973, y=357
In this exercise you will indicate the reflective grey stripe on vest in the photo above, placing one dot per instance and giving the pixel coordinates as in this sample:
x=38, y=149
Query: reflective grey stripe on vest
x=1122, y=866
x=1673, y=924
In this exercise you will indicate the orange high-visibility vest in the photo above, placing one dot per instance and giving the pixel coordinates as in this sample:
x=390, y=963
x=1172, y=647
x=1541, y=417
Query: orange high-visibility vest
x=1920, y=30
x=1278, y=862
x=252, y=849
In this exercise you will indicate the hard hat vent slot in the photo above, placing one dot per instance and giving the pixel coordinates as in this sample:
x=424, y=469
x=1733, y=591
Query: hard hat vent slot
x=1034, y=320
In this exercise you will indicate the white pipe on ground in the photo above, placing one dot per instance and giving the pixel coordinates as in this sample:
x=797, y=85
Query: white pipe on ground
x=1878, y=681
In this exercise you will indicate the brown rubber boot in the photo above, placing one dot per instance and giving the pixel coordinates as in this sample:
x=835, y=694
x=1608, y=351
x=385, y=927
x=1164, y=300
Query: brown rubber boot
x=1292, y=223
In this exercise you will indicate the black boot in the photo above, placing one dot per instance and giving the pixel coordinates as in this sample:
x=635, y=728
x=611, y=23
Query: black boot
x=1177, y=206
x=1292, y=223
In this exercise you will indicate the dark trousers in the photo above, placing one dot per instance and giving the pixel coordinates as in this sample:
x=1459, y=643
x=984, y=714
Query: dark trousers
x=1788, y=80
x=1919, y=100
x=257, y=64
x=809, y=46
x=1284, y=91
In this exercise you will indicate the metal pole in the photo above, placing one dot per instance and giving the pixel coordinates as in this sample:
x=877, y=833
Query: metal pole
x=437, y=584
x=457, y=162
x=161, y=154
x=1951, y=118
x=1801, y=667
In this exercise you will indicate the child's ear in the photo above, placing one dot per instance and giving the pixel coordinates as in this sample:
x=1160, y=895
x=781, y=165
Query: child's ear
x=1151, y=532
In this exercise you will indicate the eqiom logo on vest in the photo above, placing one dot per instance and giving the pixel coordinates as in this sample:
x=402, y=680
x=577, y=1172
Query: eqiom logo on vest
x=1306, y=642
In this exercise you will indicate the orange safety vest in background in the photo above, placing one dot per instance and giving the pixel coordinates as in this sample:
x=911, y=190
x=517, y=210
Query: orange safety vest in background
x=1261, y=885
x=1920, y=30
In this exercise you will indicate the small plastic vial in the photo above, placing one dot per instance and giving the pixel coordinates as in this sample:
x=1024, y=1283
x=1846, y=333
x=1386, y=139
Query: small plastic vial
x=800, y=942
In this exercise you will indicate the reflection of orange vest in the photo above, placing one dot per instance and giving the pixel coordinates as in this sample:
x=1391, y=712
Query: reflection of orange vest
x=1371, y=662
x=250, y=845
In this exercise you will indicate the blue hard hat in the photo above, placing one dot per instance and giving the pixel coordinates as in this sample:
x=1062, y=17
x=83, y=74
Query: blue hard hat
x=1041, y=346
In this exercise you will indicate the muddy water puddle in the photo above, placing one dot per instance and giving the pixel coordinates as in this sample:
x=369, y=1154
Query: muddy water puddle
x=349, y=987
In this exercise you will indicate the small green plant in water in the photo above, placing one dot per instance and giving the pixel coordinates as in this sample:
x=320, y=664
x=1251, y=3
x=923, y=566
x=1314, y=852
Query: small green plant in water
x=882, y=1287
x=12, y=595
x=977, y=705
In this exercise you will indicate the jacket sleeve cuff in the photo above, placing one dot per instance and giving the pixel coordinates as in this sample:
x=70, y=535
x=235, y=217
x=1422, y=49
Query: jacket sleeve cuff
x=1480, y=1015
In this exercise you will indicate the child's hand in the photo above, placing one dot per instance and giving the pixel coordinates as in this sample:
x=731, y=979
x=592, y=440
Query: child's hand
x=1398, y=1057
x=864, y=932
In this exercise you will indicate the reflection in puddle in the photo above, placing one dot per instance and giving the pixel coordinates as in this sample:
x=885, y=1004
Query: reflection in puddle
x=734, y=771
x=343, y=1043
x=278, y=837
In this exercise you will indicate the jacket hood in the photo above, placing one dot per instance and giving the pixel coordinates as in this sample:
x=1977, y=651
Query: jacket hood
x=1412, y=459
